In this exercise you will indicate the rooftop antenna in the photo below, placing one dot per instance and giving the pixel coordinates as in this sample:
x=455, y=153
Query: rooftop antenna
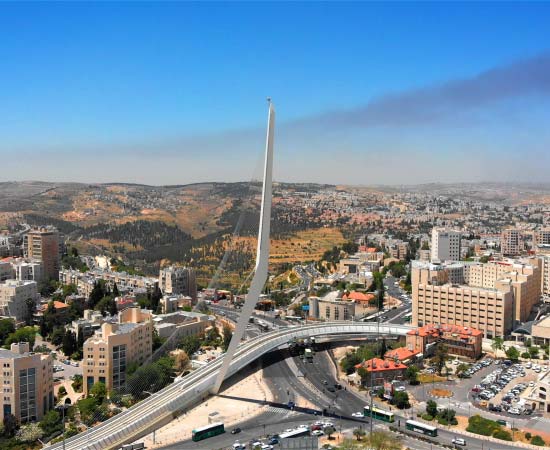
x=262, y=253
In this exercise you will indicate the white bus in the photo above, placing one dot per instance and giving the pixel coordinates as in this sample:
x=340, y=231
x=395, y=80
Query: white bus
x=298, y=432
x=420, y=427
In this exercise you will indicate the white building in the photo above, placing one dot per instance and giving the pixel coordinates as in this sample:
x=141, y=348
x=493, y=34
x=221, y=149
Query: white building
x=445, y=245
x=24, y=270
x=13, y=298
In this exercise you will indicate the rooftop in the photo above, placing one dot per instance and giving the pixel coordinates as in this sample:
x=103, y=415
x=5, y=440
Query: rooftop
x=435, y=330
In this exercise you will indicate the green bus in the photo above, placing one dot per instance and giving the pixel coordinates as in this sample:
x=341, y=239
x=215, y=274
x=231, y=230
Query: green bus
x=419, y=427
x=379, y=414
x=208, y=431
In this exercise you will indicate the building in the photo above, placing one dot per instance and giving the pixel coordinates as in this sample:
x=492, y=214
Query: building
x=6, y=271
x=381, y=370
x=541, y=237
x=347, y=306
x=59, y=309
x=459, y=340
x=178, y=281
x=43, y=245
x=13, y=298
x=436, y=301
x=27, y=380
x=171, y=303
x=492, y=297
x=183, y=323
x=127, y=339
x=27, y=270
x=538, y=397
x=510, y=242
x=445, y=245
x=545, y=275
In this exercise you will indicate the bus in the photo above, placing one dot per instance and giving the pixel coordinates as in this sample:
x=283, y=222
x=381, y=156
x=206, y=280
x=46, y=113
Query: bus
x=372, y=318
x=419, y=427
x=208, y=431
x=379, y=414
x=407, y=317
x=294, y=319
x=298, y=432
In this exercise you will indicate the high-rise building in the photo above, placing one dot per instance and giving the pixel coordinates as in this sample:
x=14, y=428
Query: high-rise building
x=6, y=271
x=117, y=344
x=178, y=281
x=13, y=298
x=27, y=383
x=445, y=245
x=541, y=237
x=510, y=242
x=437, y=301
x=43, y=244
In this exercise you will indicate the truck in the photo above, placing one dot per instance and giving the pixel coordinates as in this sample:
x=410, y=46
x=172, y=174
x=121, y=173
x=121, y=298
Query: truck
x=308, y=355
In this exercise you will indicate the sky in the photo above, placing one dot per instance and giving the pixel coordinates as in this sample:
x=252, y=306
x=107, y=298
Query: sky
x=365, y=93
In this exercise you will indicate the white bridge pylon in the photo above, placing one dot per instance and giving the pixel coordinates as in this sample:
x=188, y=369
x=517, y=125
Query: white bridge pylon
x=262, y=254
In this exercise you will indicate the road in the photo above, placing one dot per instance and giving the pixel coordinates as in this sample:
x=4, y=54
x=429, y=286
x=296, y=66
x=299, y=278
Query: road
x=281, y=379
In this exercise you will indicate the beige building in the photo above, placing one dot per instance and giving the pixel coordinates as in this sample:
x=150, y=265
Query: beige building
x=27, y=270
x=117, y=344
x=436, y=301
x=27, y=382
x=347, y=306
x=183, y=323
x=178, y=281
x=13, y=298
x=42, y=244
x=541, y=237
x=510, y=242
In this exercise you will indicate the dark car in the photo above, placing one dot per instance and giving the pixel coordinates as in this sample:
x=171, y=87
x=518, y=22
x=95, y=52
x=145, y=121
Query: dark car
x=273, y=441
x=236, y=430
x=331, y=389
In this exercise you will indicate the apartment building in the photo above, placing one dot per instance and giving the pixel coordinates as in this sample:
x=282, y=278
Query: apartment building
x=445, y=245
x=13, y=298
x=27, y=383
x=510, y=242
x=6, y=271
x=27, y=270
x=118, y=343
x=183, y=323
x=436, y=301
x=178, y=281
x=43, y=245
x=459, y=340
x=383, y=370
x=541, y=237
x=545, y=274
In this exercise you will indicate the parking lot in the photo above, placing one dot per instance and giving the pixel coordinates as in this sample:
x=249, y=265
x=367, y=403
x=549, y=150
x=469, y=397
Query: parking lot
x=505, y=388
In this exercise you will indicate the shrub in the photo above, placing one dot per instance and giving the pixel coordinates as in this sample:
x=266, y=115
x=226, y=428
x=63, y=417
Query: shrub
x=442, y=421
x=62, y=391
x=427, y=417
x=528, y=435
x=537, y=440
x=526, y=355
x=502, y=434
x=480, y=425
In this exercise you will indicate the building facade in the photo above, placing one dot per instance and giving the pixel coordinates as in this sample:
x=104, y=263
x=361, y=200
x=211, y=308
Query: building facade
x=458, y=340
x=13, y=298
x=43, y=244
x=178, y=281
x=510, y=242
x=445, y=245
x=27, y=380
x=107, y=354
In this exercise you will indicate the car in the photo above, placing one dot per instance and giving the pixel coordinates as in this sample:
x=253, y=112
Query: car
x=238, y=446
x=325, y=382
x=400, y=389
x=531, y=383
x=266, y=447
x=357, y=414
x=514, y=411
x=331, y=389
x=501, y=422
x=459, y=441
x=273, y=441
x=317, y=433
x=528, y=412
x=236, y=430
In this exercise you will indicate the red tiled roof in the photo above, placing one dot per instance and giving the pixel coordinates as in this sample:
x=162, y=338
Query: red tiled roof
x=435, y=330
x=401, y=353
x=358, y=296
x=381, y=365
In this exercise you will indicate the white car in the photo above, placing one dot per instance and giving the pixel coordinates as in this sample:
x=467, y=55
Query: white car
x=357, y=414
x=459, y=441
x=531, y=383
x=400, y=389
x=317, y=433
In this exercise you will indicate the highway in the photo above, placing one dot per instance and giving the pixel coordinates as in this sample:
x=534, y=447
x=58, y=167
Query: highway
x=168, y=403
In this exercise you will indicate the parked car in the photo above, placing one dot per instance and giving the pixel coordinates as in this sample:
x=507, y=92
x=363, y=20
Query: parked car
x=459, y=441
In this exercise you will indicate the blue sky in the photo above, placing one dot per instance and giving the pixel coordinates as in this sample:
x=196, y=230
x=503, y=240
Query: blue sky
x=175, y=92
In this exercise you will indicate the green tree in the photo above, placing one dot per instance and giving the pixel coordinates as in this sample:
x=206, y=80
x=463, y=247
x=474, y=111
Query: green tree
x=431, y=408
x=440, y=358
x=497, y=343
x=512, y=353
x=411, y=374
x=10, y=425
x=359, y=433
x=69, y=343
x=30, y=433
x=116, y=292
x=99, y=391
x=461, y=368
x=98, y=292
x=537, y=440
x=23, y=334
x=7, y=327
x=329, y=431
x=51, y=423
x=30, y=306
x=227, y=335
x=57, y=335
x=77, y=383
x=401, y=400
x=87, y=408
